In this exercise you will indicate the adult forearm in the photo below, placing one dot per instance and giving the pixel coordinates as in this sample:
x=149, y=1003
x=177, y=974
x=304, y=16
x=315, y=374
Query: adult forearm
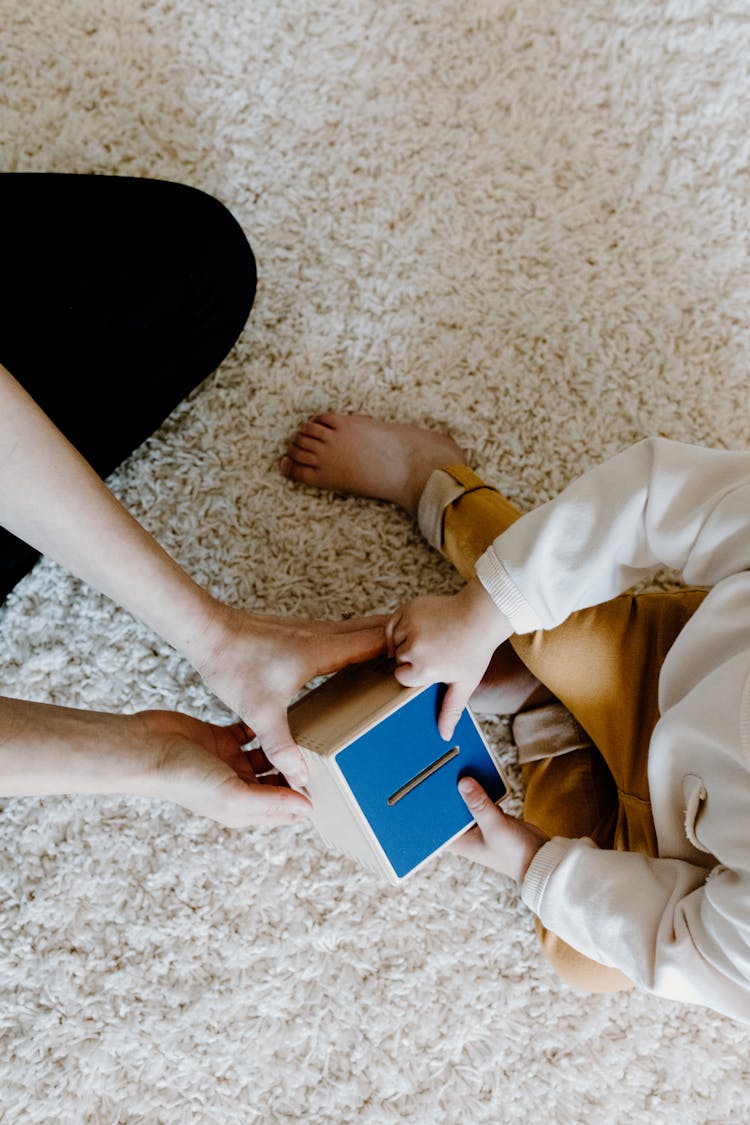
x=47, y=750
x=51, y=498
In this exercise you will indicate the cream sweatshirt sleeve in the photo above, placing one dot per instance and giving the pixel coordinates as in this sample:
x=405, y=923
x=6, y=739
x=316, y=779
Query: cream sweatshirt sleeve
x=658, y=503
x=675, y=927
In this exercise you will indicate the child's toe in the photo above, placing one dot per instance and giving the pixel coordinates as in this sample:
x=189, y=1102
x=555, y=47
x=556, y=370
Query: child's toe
x=301, y=456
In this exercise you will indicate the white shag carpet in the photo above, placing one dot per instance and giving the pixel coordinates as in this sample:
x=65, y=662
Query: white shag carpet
x=525, y=222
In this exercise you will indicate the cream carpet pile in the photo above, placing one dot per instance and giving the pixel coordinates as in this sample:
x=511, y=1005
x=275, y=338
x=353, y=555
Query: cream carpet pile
x=524, y=222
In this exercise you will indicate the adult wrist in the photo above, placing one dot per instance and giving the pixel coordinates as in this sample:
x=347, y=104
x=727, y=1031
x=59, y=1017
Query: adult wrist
x=208, y=636
x=201, y=628
x=47, y=750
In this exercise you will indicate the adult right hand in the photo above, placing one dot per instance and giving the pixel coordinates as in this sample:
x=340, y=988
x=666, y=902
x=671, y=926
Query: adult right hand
x=256, y=664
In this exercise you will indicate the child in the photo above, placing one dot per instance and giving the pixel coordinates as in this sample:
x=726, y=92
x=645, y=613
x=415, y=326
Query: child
x=632, y=713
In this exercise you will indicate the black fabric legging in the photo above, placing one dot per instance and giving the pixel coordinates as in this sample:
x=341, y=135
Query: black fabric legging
x=118, y=296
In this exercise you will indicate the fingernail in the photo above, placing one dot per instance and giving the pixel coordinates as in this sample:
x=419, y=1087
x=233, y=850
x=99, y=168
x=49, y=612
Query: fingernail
x=466, y=787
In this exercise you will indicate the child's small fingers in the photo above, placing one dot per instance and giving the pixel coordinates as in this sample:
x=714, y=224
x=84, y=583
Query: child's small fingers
x=486, y=813
x=407, y=676
x=469, y=844
x=403, y=648
x=390, y=629
x=456, y=698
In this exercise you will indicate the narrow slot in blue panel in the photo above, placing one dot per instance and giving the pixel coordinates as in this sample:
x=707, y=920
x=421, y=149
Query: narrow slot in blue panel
x=394, y=752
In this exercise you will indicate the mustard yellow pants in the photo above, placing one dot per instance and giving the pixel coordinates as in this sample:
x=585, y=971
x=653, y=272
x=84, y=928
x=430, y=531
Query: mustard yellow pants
x=603, y=664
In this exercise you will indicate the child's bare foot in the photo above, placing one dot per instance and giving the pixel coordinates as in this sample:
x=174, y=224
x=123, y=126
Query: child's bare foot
x=507, y=685
x=359, y=454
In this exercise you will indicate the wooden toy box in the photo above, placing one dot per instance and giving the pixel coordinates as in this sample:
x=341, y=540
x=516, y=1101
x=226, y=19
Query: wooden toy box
x=382, y=781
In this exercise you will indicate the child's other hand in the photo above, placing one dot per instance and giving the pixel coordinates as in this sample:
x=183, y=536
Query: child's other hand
x=447, y=640
x=504, y=843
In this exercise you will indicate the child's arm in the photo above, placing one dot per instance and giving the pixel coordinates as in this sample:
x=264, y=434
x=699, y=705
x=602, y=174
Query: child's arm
x=507, y=844
x=447, y=640
x=658, y=503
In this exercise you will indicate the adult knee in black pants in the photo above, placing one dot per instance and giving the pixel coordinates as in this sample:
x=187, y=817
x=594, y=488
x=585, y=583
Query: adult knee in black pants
x=119, y=296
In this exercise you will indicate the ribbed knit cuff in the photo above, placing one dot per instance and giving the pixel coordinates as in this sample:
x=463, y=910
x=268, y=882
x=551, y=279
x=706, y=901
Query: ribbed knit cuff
x=440, y=491
x=745, y=717
x=537, y=876
x=505, y=594
x=549, y=856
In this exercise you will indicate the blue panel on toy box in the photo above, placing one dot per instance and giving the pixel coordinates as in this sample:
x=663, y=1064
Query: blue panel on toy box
x=380, y=764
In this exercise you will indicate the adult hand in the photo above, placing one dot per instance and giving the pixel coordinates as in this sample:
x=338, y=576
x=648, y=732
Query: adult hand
x=505, y=843
x=53, y=499
x=203, y=767
x=447, y=640
x=47, y=749
x=256, y=664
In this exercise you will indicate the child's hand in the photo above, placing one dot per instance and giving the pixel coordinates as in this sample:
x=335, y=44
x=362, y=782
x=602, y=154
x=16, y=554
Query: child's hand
x=502, y=842
x=447, y=640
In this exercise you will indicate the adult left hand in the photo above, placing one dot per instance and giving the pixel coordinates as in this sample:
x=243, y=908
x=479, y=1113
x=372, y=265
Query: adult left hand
x=205, y=768
x=505, y=843
x=46, y=749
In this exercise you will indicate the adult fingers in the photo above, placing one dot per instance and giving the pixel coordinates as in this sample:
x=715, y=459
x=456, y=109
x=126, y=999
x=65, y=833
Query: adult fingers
x=239, y=731
x=239, y=804
x=258, y=762
x=354, y=624
x=282, y=751
x=352, y=648
x=244, y=732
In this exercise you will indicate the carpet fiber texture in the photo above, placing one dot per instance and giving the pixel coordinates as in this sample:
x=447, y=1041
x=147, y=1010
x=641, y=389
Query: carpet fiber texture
x=524, y=222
